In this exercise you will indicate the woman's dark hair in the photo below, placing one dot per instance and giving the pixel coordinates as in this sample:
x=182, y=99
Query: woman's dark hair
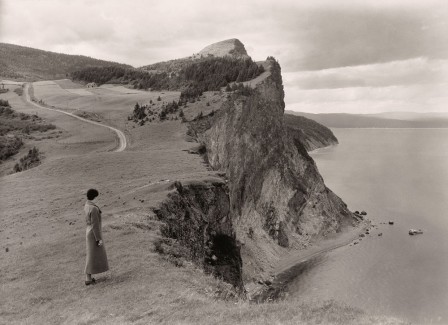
x=92, y=193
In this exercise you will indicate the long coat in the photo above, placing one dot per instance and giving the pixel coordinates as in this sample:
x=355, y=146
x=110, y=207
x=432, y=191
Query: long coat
x=96, y=258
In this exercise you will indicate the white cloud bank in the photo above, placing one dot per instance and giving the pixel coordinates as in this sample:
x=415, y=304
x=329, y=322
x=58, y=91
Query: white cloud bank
x=360, y=49
x=418, y=85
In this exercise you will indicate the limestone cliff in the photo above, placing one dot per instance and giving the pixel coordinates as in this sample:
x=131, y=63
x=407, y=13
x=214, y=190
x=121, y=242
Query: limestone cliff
x=277, y=197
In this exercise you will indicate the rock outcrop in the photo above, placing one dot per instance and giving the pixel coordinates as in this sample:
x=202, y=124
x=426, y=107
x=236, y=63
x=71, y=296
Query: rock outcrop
x=197, y=216
x=231, y=47
x=275, y=199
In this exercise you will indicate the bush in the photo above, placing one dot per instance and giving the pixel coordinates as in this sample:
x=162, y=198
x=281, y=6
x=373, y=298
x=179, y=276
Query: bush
x=9, y=146
x=19, y=91
x=139, y=112
x=4, y=103
x=32, y=159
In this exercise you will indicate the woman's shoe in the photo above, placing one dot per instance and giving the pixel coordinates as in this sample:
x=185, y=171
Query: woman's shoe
x=90, y=282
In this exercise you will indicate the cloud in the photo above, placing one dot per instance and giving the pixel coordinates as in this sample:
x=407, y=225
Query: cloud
x=348, y=54
x=338, y=37
x=303, y=35
x=406, y=72
x=410, y=85
x=360, y=100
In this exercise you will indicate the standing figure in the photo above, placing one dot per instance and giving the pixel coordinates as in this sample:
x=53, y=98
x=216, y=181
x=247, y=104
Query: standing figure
x=96, y=258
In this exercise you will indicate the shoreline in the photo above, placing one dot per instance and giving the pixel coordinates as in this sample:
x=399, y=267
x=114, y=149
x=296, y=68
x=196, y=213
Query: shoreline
x=291, y=265
x=321, y=148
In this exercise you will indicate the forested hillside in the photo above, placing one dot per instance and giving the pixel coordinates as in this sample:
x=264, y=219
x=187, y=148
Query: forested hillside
x=25, y=63
x=391, y=120
x=193, y=77
x=309, y=133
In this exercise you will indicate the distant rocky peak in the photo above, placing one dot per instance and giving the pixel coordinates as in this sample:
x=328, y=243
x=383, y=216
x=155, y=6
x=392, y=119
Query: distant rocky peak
x=232, y=47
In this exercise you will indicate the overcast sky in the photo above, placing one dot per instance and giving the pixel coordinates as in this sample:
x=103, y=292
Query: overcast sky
x=336, y=55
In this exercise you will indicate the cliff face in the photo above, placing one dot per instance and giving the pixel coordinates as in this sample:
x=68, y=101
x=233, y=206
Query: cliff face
x=197, y=216
x=277, y=197
x=274, y=198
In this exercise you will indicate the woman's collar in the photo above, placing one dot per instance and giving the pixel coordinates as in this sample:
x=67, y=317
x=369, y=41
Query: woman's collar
x=91, y=203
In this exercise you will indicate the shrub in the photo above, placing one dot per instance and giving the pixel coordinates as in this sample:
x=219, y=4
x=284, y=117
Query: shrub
x=19, y=91
x=139, y=112
x=9, y=146
x=4, y=103
x=32, y=159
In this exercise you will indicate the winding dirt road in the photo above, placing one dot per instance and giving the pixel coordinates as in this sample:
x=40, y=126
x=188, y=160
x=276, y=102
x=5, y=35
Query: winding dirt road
x=121, y=137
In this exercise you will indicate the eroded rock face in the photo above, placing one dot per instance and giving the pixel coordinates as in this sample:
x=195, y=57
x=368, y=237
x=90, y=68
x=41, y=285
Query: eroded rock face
x=232, y=47
x=276, y=192
x=275, y=198
x=196, y=215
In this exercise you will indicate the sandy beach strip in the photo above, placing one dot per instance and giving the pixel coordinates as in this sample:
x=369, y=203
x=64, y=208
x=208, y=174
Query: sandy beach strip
x=290, y=265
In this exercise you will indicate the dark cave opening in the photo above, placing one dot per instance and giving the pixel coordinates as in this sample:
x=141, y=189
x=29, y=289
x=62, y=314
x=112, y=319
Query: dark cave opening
x=225, y=259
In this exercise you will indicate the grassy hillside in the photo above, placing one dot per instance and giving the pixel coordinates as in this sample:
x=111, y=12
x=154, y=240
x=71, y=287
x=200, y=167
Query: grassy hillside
x=43, y=234
x=25, y=63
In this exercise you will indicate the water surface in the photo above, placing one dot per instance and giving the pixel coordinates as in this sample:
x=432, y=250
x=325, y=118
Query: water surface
x=399, y=175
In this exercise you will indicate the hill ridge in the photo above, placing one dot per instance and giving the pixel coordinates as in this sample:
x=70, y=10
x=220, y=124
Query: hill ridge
x=31, y=64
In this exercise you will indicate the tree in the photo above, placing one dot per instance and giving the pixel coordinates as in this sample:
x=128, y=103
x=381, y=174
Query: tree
x=139, y=112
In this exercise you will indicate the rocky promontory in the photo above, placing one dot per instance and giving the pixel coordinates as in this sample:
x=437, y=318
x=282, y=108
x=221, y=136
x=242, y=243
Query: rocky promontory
x=277, y=199
x=231, y=47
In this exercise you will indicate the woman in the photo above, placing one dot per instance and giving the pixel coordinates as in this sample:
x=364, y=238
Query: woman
x=96, y=259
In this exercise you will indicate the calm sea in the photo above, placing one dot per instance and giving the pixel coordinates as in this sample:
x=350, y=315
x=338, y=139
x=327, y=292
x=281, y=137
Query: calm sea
x=398, y=175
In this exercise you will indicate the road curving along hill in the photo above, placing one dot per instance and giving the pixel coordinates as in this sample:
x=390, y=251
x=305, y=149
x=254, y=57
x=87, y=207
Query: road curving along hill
x=122, y=143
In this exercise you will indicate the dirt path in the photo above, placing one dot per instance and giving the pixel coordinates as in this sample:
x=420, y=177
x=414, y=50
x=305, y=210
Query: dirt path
x=121, y=137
